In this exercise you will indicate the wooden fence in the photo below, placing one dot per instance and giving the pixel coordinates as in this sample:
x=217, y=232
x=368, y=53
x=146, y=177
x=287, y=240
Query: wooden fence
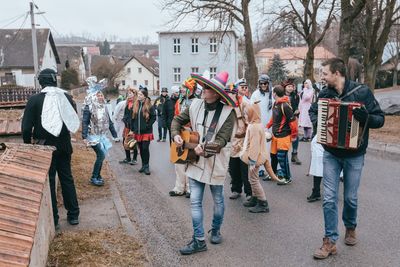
x=16, y=96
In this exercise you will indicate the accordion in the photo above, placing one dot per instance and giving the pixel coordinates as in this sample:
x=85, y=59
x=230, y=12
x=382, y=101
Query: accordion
x=337, y=126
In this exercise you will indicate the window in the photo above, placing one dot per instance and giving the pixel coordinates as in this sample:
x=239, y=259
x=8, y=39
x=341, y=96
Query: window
x=177, y=45
x=134, y=82
x=177, y=75
x=195, y=69
x=139, y=70
x=129, y=70
x=213, y=45
x=213, y=72
x=123, y=82
x=146, y=82
x=195, y=45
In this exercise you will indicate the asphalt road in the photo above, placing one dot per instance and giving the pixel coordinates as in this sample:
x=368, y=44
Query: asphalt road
x=286, y=236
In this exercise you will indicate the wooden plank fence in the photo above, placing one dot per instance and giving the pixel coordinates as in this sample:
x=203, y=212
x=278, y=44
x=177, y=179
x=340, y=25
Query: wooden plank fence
x=16, y=96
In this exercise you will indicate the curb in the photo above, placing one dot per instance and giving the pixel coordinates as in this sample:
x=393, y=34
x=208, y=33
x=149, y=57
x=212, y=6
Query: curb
x=385, y=151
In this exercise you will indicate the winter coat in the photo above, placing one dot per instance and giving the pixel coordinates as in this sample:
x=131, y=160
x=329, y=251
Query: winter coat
x=264, y=99
x=376, y=117
x=283, y=121
x=118, y=118
x=306, y=100
x=139, y=125
x=168, y=111
x=238, y=139
x=255, y=145
x=158, y=105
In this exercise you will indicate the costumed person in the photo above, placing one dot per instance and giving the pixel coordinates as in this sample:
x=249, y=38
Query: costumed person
x=143, y=117
x=48, y=119
x=316, y=169
x=284, y=130
x=255, y=154
x=168, y=112
x=291, y=92
x=96, y=122
x=263, y=95
x=335, y=160
x=182, y=182
x=123, y=114
x=238, y=170
x=214, y=121
x=307, y=97
x=159, y=104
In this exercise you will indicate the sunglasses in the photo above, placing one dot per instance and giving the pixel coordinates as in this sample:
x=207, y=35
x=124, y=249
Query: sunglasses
x=263, y=83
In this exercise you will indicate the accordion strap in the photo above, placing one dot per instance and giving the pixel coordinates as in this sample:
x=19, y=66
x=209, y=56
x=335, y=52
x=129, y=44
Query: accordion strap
x=352, y=91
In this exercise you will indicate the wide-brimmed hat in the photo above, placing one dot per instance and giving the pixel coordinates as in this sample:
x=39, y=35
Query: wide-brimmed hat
x=218, y=84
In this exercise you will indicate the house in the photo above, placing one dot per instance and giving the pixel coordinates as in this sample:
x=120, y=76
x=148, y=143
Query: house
x=72, y=57
x=16, y=56
x=294, y=59
x=185, y=52
x=140, y=70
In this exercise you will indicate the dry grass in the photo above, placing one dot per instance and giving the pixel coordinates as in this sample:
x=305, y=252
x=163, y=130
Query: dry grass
x=389, y=133
x=96, y=248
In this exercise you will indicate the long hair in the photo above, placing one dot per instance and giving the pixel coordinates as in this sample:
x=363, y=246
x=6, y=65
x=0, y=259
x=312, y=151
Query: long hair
x=145, y=109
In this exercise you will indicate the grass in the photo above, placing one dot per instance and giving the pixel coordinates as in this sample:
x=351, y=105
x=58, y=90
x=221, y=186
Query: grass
x=95, y=248
x=389, y=133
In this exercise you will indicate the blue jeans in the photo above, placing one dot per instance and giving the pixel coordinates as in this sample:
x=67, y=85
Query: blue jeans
x=100, y=156
x=196, y=203
x=352, y=168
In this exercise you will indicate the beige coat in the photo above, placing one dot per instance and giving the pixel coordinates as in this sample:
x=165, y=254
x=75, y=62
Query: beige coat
x=210, y=170
x=238, y=139
x=255, y=145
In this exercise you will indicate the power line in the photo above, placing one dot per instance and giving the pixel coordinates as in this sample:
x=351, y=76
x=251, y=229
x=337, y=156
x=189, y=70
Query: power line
x=17, y=33
x=14, y=19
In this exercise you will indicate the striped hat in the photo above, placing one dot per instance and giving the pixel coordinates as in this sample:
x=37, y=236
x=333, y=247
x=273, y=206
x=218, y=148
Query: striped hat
x=218, y=84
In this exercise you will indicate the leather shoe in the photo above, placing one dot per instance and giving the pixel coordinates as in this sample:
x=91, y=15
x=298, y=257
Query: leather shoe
x=193, y=247
x=73, y=221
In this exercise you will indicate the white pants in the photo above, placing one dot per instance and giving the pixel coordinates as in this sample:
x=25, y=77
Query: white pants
x=182, y=181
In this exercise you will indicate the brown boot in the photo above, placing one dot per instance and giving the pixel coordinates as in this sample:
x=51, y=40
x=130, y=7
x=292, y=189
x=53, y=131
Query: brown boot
x=328, y=248
x=350, y=237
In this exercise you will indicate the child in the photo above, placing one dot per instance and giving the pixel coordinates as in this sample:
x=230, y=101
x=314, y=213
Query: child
x=255, y=154
x=284, y=130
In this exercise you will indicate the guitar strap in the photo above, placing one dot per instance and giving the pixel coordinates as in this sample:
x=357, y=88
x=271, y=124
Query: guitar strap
x=214, y=122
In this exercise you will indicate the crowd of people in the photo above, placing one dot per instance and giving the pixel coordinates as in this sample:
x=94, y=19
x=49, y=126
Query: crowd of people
x=253, y=134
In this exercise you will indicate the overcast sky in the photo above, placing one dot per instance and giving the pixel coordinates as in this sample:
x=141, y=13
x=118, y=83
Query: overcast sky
x=124, y=18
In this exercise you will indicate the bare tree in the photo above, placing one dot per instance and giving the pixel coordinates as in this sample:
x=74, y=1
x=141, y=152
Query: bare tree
x=377, y=19
x=394, y=50
x=303, y=17
x=225, y=14
x=109, y=69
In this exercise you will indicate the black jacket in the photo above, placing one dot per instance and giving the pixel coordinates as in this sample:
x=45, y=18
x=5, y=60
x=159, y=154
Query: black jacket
x=31, y=125
x=294, y=100
x=363, y=95
x=169, y=111
x=139, y=125
x=86, y=116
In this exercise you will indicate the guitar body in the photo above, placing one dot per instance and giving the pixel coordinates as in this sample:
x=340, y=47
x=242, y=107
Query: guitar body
x=185, y=154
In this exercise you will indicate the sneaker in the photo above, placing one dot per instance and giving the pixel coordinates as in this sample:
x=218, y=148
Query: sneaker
x=250, y=202
x=133, y=162
x=194, y=246
x=284, y=181
x=175, y=194
x=96, y=181
x=125, y=161
x=215, y=237
x=314, y=197
x=267, y=178
x=163, y=140
x=234, y=195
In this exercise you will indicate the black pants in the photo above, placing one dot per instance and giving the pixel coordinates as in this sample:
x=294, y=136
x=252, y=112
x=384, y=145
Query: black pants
x=144, y=148
x=61, y=163
x=239, y=173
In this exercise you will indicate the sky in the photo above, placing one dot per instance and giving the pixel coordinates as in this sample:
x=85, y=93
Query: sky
x=127, y=19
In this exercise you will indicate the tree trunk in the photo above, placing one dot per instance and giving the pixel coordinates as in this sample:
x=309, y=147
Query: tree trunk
x=309, y=64
x=251, y=71
x=370, y=71
x=395, y=76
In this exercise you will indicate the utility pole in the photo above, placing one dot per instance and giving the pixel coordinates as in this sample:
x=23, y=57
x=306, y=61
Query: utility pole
x=34, y=45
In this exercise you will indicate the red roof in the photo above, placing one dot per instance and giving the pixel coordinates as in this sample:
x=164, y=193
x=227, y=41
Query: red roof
x=295, y=53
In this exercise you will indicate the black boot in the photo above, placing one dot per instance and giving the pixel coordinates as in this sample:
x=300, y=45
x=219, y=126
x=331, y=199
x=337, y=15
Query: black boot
x=295, y=159
x=146, y=169
x=193, y=247
x=262, y=206
x=251, y=202
x=316, y=193
x=142, y=169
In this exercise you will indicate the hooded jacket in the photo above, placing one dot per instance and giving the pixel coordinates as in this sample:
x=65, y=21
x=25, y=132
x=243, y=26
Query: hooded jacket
x=283, y=121
x=255, y=145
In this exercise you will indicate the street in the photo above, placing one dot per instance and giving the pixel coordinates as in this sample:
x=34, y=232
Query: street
x=286, y=236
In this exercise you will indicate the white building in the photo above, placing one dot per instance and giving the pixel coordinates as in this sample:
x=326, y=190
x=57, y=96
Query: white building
x=140, y=71
x=185, y=52
x=16, y=56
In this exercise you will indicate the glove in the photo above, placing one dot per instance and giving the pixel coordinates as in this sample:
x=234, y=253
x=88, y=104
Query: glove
x=361, y=114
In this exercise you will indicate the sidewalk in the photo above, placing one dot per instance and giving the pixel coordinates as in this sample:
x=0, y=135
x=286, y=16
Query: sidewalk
x=384, y=150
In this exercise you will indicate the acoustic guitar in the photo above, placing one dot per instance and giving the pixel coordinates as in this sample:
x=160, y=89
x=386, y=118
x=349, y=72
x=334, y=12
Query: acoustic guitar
x=185, y=154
